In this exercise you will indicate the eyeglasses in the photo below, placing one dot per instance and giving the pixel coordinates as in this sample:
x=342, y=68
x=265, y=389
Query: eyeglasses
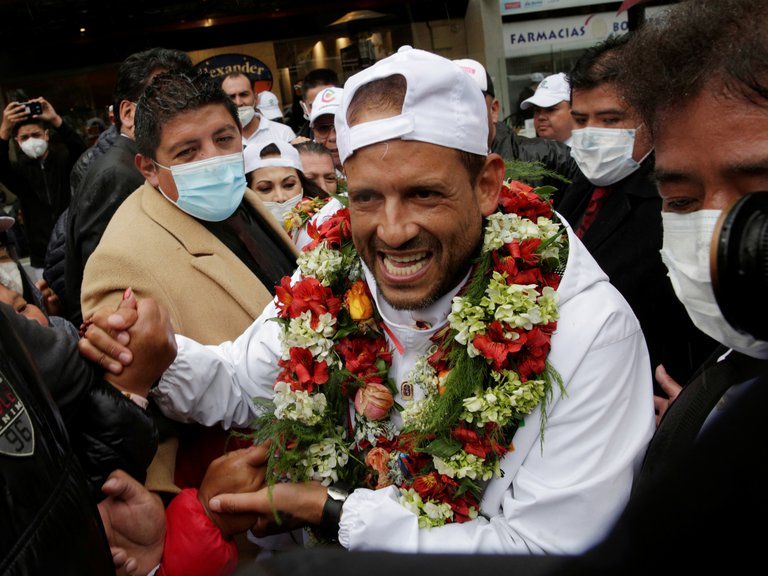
x=323, y=130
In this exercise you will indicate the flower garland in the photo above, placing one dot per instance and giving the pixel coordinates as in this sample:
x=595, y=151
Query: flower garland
x=302, y=213
x=486, y=370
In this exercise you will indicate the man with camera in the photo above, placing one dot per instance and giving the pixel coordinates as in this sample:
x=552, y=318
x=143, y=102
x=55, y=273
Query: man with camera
x=40, y=176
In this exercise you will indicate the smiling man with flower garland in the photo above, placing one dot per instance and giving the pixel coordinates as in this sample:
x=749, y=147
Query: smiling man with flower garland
x=430, y=346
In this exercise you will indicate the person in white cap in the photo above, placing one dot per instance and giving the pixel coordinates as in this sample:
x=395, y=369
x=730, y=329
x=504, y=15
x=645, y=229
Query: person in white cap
x=269, y=106
x=276, y=173
x=385, y=309
x=256, y=126
x=552, y=108
x=321, y=120
x=553, y=155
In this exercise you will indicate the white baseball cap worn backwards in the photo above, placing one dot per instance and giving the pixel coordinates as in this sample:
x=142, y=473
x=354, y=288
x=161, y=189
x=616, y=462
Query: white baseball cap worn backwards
x=442, y=106
x=289, y=157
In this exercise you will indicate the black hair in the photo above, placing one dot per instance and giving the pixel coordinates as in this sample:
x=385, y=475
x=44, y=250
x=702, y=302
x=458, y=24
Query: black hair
x=309, y=188
x=26, y=122
x=489, y=91
x=671, y=59
x=319, y=77
x=137, y=70
x=169, y=95
x=313, y=147
x=599, y=65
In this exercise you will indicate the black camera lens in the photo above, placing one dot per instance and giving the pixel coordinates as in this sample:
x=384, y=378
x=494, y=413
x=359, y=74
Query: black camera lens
x=740, y=265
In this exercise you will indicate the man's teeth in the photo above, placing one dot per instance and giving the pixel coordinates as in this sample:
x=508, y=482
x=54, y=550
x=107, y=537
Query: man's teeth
x=397, y=265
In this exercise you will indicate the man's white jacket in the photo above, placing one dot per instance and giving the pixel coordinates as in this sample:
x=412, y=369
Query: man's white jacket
x=558, y=494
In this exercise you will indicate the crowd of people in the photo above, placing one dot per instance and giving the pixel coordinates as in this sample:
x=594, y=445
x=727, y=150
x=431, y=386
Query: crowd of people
x=402, y=336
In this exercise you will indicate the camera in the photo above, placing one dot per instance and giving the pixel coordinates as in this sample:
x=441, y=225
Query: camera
x=739, y=267
x=32, y=108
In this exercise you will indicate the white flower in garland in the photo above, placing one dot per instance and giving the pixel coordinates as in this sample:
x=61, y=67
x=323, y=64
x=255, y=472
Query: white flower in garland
x=322, y=461
x=322, y=263
x=298, y=405
x=300, y=334
x=372, y=431
x=430, y=514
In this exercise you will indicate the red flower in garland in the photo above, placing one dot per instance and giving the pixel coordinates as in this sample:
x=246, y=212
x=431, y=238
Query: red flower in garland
x=496, y=347
x=481, y=445
x=301, y=371
x=360, y=354
x=518, y=198
x=522, y=263
x=306, y=294
x=461, y=505
x=435, y=486
x=334, y=231
x=443, y=489
x=533, y=358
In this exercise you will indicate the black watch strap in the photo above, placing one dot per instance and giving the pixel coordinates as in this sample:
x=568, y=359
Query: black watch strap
x=334, y=503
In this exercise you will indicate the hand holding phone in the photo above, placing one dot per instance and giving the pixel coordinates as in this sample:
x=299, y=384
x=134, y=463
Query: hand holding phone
x=32, y=108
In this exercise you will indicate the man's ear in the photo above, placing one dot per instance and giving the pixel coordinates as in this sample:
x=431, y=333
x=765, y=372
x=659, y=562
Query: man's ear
x=495, y=110
x=489, y=182
x=148, y=169
x=127, y=109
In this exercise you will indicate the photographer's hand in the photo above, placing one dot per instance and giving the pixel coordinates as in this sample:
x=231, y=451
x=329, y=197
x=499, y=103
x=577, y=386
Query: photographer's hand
x=12, y=115
x=49, y=114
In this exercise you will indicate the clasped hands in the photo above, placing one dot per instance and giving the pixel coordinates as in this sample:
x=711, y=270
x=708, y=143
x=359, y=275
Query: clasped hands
x=135, y=344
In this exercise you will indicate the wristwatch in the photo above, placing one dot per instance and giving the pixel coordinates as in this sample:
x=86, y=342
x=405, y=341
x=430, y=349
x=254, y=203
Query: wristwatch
x=329, y=521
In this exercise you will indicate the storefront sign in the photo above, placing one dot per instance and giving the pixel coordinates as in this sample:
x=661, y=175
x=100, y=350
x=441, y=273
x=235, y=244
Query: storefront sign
x=509, y=7
x=573, y=32
x=223, y=64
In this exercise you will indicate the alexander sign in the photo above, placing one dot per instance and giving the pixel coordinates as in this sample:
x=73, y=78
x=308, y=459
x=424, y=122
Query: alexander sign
x=223, y=64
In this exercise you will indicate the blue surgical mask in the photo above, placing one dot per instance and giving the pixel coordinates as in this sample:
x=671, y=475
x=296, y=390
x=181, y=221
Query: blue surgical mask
x=210, y=189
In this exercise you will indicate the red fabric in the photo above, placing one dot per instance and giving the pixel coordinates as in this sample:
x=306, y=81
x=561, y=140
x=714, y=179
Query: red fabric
x=194, y=546
x=590, y=214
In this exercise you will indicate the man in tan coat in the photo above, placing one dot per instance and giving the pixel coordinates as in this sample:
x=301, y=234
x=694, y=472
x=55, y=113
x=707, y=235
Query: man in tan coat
x=192, y=237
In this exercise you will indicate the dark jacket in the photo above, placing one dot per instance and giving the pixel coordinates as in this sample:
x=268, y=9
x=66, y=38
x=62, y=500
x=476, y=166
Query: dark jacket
x=56, y=253
x=625, y=239
x=554, y=155
x=109, y=181
x=42, y=187
x=62, y=431
x=55, y=256
x=104, y=142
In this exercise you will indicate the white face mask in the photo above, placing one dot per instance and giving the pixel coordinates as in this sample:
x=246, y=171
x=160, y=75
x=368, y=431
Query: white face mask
x=34, y=147
x=685, y=252
x=604, y=155
x=246, y=114
x=281, y=209
x=10, y=277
